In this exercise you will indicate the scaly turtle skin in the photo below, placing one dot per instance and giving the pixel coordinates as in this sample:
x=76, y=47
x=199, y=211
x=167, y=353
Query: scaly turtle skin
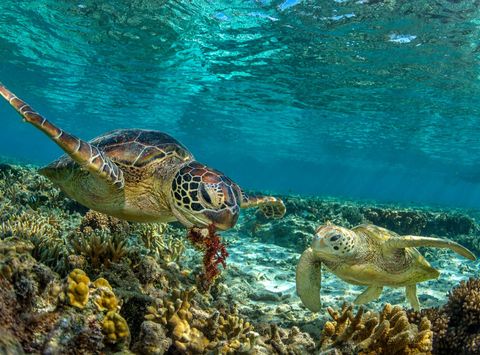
x=144, y=176
x=370, y=256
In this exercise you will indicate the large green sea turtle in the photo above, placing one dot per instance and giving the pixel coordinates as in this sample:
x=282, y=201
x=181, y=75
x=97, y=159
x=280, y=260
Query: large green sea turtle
x=143, y=176
x=371, y=256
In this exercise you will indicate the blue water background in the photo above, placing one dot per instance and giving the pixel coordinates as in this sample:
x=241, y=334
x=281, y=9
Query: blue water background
x=360, y=99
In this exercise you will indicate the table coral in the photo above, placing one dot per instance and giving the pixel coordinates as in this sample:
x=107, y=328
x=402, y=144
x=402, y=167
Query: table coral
x=78, y=288
x=387, y=332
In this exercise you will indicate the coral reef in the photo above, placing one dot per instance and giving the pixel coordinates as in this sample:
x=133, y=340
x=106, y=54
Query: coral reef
x=388, y=332
x=457, y=324
x=304, y=214
x=77, y=289
x=115, y=327
x=142, y=296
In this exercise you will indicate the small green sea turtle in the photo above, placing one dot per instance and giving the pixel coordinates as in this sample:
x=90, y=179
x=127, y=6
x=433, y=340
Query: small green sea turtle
x=370, y=256
x=143, y=176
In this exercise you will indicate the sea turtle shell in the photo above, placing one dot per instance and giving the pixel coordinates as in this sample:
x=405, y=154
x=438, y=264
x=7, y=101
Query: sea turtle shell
x=136, y=148
x=404, y=259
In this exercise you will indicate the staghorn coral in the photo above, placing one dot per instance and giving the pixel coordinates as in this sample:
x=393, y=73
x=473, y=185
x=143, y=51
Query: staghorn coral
x=161, y=241
x=29, y=224
x=115, y=328
x=388, y=332
x=78, y=288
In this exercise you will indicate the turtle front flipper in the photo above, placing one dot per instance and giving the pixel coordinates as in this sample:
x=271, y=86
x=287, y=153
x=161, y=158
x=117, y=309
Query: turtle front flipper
x=309, y=279
x=417, y=241
x=86, y=155
x=271, y=207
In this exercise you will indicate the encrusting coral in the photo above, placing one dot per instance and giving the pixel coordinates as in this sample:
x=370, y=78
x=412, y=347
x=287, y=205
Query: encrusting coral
x=388, y=332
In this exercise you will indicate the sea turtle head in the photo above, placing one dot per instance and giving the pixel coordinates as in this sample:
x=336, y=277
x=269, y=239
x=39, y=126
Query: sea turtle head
x=332, y=242
x=202, y=196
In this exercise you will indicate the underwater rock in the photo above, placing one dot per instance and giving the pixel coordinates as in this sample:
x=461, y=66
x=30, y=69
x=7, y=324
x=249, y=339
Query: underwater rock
x=152, y=339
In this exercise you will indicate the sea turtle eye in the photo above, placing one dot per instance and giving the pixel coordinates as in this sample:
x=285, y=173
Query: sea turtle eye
x=211, y=196
x=334, y=238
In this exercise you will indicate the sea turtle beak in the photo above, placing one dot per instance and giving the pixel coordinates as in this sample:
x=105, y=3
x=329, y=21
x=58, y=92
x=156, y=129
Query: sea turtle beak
x=318, y=243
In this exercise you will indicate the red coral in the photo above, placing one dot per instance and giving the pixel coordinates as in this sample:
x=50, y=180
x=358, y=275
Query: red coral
x=215, y=253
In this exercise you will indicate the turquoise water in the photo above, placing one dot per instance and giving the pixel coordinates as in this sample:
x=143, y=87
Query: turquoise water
x=363, y=99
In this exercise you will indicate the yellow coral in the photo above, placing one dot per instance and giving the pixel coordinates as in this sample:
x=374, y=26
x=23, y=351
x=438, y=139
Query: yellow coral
x=176, y=314
x=376, y=333
x=115, y=327
x=78, y=291
x=104, y=299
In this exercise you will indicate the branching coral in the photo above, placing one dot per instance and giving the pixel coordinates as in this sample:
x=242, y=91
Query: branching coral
x=161, y=242
x=100, y=248
x=291, y=342
x=230, y=334
x=457, y=324
x=386, y=333
x=194, y=331
x=78, y=288
x=214, y=253
x=29, y=224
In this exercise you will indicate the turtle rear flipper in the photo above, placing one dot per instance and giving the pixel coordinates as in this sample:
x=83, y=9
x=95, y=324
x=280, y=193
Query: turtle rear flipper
x=309, y=279
x=85, y=154
x=271, y=207
x=417, y=241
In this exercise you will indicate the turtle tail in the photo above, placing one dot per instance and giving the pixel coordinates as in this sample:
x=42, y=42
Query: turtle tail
x=84, y=153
